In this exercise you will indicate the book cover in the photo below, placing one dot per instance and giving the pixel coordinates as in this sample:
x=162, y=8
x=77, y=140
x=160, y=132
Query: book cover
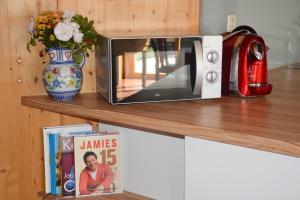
x=55, y=164
x=46, y=161
x=67, y=163
x=60, y=130
x=97, y=164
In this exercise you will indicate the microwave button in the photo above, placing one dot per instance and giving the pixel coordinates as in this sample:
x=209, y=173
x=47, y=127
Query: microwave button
x=212, y=77
x=212, y=57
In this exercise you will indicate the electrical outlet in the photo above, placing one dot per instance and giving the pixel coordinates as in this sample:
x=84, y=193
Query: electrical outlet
x=231, y=22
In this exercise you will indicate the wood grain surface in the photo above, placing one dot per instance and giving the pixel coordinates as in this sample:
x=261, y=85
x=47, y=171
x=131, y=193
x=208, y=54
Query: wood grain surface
x=122, y=196
x=270, y=123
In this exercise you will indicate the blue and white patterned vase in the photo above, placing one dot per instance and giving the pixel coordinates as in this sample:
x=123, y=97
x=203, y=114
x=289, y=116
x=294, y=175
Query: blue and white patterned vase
x=62, y=77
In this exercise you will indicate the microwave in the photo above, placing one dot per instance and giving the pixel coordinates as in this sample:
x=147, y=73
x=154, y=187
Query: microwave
x=151, y=69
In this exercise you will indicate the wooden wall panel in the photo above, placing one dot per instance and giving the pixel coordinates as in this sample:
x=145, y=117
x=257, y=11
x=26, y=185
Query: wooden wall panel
x=147, y=17
x=21, y=149
x=9, y=140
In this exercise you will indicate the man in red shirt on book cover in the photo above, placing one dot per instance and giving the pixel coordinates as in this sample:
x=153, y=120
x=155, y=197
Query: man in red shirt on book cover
x=95, y=177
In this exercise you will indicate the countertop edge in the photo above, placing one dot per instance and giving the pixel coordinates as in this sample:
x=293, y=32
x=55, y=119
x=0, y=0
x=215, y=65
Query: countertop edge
x=166, y=127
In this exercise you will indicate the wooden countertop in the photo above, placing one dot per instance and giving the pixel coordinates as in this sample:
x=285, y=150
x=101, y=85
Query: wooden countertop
x=270, y=123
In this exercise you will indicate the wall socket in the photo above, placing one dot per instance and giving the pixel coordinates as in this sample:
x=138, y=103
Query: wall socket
x=231, y=22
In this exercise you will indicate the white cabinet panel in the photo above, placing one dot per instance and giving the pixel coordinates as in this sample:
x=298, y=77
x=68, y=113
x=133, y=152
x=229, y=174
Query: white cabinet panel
x=153, y=165
x=216, y=171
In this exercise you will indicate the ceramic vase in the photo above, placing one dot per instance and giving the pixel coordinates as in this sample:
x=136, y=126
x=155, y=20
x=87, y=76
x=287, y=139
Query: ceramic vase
x=62, y=77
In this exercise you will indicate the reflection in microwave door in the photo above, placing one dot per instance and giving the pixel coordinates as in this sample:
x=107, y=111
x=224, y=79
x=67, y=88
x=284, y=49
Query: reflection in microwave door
x=177, y=79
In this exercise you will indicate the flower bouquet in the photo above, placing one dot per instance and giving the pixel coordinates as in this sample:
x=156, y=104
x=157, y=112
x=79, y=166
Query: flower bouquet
x=63, y=30
x=67, y=38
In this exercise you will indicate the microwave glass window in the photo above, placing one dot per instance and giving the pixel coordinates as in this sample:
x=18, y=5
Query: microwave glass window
x=142, y=71
x=135, y=72
x=150, y=62
x=149, y=66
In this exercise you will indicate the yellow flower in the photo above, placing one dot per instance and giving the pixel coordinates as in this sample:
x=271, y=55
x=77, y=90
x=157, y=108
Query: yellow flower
x=40, y=19
x=43, y=13
x=52, y=37
x=49, y=77
x=55, y=15
x=41, y=26
x=71, y=83
x=48, y=26
x=56, y=19
x=41, y=32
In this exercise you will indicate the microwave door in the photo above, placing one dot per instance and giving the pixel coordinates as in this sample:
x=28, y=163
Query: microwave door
x=196, y=66
x=155, y=73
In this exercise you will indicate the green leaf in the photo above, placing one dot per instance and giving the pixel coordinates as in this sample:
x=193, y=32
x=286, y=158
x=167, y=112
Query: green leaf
x=91, y=23
x=32, y=42
x=28, y=47
x=78, y=58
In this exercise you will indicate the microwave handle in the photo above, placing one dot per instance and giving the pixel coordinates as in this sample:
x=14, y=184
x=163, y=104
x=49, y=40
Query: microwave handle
x=197, y=71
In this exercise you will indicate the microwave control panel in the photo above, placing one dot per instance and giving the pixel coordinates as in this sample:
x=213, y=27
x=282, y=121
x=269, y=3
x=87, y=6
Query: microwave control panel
x=212, y=66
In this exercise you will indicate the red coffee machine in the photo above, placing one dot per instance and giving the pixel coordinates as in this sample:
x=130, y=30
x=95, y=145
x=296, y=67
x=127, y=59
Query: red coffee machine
x=244, y=64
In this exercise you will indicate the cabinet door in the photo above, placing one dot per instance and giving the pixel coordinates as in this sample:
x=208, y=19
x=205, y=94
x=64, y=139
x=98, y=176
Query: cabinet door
x=215, y=171
x=153, y=164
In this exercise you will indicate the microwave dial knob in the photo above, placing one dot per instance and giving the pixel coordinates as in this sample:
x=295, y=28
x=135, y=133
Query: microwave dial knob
x=212, y=57
x=212, y=77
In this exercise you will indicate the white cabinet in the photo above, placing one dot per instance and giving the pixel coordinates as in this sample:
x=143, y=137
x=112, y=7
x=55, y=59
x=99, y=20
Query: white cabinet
x=153, y=164
x=170, y=168
x=215, y=171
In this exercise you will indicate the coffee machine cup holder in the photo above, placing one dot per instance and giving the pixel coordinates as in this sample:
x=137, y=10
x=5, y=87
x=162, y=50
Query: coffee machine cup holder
x=260, y=88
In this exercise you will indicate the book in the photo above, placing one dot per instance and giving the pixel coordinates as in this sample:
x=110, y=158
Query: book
x=67, y=163
x=54, y=133
x=55, y=164
x=97, y=164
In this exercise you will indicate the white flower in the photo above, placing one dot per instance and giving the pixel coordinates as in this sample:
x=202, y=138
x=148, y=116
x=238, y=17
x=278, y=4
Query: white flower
x=63, y=31
x=77, y=36
x=67, y=17
x=31, y=25
x=75, y=26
